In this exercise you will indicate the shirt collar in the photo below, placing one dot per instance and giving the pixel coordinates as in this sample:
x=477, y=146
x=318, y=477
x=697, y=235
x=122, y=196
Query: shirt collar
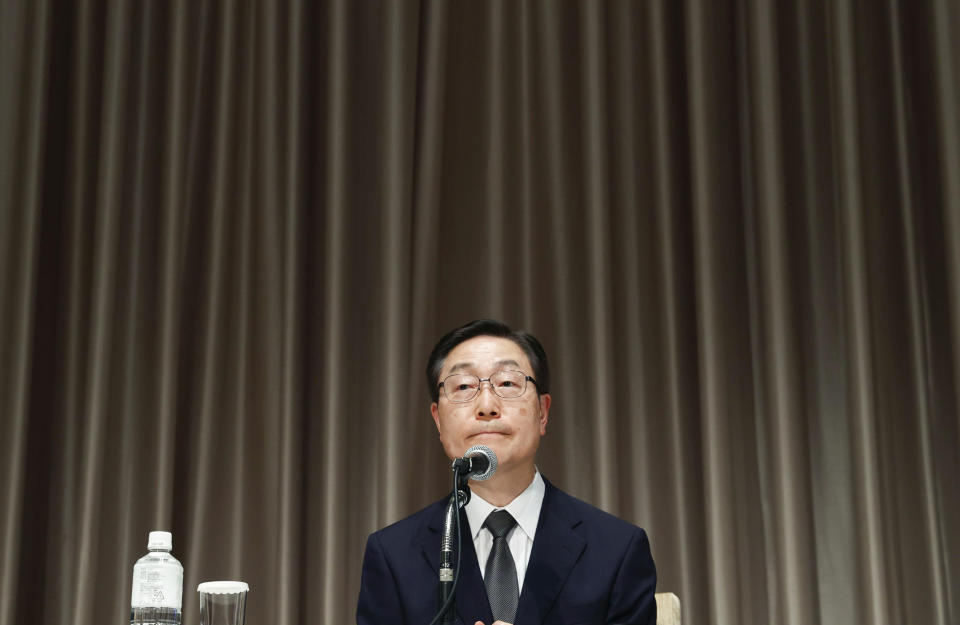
x=525, y=508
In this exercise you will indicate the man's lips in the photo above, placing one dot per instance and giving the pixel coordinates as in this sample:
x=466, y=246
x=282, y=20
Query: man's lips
x=488, y=432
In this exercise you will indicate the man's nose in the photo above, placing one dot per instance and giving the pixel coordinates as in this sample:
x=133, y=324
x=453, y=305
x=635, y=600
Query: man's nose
x=488, y=402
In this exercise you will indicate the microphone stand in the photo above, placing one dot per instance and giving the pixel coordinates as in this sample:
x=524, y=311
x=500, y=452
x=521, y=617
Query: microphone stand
x=451, y=525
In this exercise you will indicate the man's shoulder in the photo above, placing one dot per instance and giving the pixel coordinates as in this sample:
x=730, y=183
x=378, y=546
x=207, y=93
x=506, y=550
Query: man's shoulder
x=586, y=515
x=410, y=526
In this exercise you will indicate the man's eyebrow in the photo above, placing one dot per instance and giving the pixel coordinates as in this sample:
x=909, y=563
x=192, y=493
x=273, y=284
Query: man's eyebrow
x=459, y=366
x=469, y=365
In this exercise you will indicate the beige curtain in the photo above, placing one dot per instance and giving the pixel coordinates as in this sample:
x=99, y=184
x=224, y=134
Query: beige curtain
x=231, y=232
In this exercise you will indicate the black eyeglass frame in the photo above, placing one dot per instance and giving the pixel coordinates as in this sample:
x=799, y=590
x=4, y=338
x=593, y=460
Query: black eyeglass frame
x=526, y=378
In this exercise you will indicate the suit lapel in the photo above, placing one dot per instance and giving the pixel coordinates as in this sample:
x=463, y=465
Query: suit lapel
x=556, y=548
x=472, y=602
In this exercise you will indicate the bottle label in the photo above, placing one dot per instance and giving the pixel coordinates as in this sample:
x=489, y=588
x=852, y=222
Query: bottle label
x=157, y=586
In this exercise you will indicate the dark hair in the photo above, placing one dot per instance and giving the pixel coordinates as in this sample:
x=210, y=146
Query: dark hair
x=488, y=327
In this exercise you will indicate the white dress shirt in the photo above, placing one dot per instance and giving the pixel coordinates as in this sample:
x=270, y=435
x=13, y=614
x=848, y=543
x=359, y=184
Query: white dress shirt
x=525, y=509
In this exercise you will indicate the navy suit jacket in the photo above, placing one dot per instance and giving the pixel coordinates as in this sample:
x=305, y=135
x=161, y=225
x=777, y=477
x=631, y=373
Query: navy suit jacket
x=586, y=567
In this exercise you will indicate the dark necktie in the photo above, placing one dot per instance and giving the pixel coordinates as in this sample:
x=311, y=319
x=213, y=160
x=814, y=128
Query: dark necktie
x=500, y=576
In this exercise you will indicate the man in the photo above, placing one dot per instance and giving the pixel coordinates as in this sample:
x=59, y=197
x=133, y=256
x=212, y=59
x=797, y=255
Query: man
x=531, y=554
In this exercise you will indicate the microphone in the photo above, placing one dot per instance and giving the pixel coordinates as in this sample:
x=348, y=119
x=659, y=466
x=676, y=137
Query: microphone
x=478, y=463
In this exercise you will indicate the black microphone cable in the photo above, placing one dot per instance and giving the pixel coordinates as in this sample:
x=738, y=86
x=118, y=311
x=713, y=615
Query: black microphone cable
x=456, y=575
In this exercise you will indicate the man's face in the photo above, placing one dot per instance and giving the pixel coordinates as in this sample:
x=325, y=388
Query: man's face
x=510, y=427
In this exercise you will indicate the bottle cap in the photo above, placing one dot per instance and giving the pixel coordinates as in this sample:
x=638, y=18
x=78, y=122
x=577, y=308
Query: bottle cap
x=160, y=540
x=223, y=588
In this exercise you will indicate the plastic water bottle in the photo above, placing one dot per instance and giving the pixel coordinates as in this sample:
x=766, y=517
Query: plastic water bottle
x=157, y=595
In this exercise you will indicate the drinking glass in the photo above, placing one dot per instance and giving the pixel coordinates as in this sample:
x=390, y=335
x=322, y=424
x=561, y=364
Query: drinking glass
x=222, y=603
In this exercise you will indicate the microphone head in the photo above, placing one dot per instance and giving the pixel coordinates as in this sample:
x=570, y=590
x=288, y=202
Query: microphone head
x=486, y=452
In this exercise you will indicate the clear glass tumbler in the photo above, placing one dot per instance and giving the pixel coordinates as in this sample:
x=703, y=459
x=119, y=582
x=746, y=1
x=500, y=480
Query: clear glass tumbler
x=222, y=603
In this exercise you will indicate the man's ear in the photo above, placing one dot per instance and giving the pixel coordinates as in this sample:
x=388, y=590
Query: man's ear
x=544, y=401
x=435, y=413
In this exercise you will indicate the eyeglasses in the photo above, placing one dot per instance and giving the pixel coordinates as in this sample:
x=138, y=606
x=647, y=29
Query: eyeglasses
x=507, y=383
